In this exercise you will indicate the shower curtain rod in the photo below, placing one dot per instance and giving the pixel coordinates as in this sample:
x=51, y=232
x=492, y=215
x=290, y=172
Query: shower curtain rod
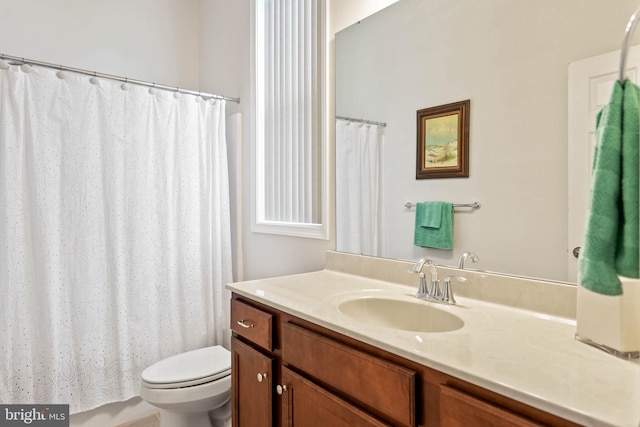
x=369, y=122
x=20, y=61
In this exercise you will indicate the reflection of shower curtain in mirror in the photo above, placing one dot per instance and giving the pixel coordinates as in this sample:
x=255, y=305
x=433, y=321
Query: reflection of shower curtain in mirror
x=358, y=188
x=114, y=234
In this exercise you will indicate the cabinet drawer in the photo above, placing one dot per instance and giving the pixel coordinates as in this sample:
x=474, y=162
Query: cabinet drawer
x=383, y=387
x=459, y=409
x=252, y=324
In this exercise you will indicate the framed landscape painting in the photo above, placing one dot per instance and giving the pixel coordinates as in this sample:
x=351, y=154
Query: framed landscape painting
x=443, y=141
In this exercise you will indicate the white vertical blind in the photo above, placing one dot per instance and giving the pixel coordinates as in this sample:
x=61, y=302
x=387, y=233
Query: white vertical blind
x=290, y=49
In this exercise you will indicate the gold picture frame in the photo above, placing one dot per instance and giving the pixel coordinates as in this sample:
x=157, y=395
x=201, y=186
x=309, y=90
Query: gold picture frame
x=443, y=141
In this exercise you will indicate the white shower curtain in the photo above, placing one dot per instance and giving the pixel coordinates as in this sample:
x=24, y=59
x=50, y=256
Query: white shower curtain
x=359, y=197
x=114, y=234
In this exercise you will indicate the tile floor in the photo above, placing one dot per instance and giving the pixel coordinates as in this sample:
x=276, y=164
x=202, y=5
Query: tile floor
x=152, y=420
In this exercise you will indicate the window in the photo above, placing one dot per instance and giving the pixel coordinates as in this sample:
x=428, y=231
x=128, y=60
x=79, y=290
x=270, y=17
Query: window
x=290, y=157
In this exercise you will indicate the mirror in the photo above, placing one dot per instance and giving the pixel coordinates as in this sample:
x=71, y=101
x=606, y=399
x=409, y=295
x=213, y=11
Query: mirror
x=511, y=60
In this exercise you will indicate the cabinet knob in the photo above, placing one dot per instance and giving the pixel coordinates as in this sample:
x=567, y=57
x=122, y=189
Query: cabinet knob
x=281, y=389
x=262, y=377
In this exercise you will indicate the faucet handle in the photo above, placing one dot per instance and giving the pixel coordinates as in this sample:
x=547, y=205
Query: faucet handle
x=422, y=287
x=447, y=291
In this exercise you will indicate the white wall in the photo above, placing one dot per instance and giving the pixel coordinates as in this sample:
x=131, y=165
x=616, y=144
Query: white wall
x=347, y=12
x=511, y=59
x=224, y=69
x=142, y=39
x=224, y=49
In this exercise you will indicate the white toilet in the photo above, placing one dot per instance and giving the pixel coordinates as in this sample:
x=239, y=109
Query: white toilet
x=191, y=389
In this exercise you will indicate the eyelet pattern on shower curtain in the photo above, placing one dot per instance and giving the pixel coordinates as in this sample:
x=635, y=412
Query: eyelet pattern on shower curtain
x=114, y=234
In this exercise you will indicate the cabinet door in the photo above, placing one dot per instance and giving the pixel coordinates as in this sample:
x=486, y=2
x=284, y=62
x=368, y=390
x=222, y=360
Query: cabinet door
x=252, y=386
x=305, y=404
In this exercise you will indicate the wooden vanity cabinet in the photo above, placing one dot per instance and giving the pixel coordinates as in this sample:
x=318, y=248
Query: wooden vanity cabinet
x=266, y=391
x=289, y=372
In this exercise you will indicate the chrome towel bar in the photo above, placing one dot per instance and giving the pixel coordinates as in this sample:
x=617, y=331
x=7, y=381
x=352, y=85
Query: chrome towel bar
x=474, y=205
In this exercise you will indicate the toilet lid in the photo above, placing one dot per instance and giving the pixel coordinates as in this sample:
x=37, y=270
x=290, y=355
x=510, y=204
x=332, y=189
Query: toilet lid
x=196, y=366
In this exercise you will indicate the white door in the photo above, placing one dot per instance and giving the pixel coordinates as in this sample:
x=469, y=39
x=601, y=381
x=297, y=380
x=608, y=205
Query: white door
x=590, y=83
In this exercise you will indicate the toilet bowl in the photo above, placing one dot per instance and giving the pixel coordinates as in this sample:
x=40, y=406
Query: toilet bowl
x=191, y=389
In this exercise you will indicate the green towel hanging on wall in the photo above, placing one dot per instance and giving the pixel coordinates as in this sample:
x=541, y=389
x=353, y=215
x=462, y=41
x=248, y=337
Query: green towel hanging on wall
x=611, y=239
x=434, y=225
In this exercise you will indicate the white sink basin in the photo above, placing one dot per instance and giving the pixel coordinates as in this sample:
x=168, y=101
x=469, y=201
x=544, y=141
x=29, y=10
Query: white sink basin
x=400, y=314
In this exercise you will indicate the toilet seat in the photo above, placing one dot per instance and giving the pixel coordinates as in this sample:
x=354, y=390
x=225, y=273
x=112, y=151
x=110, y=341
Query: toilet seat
x=188, y=369
x=183, y=384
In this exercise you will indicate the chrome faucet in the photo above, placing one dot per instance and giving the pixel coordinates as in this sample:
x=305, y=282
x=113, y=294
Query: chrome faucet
x=464, y=257
x=433, y=292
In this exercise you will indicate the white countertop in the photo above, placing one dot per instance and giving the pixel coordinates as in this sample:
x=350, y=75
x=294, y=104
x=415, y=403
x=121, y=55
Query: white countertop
x=529, y=357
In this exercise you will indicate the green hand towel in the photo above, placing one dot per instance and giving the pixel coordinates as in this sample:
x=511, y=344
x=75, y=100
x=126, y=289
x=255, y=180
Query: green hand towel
x=434, y=225
x=627, y=255
x=611, y=239
x=430, y=214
